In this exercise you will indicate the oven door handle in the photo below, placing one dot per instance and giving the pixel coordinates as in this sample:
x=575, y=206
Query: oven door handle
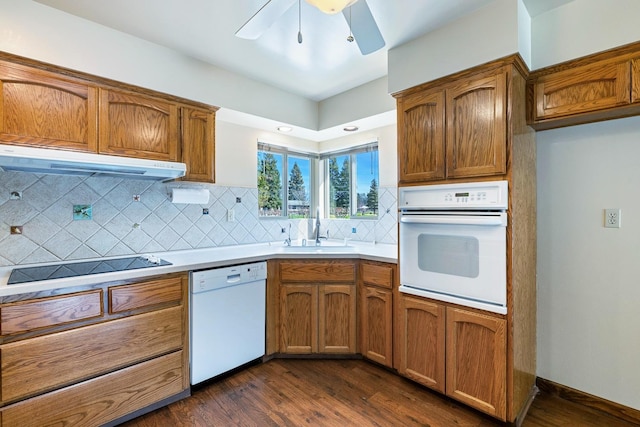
x=493, y=220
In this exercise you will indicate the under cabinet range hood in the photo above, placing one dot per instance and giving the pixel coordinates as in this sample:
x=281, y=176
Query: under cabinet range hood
x=51, y=161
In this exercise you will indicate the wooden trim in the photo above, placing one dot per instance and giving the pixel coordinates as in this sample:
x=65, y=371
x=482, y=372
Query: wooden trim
x=594, y=402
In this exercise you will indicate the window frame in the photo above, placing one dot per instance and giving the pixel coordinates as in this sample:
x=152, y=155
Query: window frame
x=312, y=186
x=352, y=152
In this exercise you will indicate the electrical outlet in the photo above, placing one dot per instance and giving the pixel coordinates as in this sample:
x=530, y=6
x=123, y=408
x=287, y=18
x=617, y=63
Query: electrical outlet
x=612, y=218
x=231, y=215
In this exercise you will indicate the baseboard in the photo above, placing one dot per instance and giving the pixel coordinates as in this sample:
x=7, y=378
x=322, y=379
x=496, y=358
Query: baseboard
x=614, y=409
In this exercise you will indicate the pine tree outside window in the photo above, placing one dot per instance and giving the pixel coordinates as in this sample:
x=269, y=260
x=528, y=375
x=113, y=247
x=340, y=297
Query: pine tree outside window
x=353, y=177
x=285, y=185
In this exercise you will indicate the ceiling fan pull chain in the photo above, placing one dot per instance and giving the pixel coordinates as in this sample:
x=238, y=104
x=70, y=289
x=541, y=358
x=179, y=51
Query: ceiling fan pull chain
x=299, y=22
x=350, y=38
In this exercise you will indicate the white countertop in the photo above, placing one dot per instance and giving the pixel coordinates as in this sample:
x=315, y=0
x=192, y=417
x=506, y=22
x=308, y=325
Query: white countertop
x=199, y=259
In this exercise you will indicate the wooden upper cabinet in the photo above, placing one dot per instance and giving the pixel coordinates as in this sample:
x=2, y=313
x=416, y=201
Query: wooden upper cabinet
x=134, y=125
x=582, y=89
x=635, y=80
x=477, y=127
x=198, y=144
x=421, y=135
x=44, y=109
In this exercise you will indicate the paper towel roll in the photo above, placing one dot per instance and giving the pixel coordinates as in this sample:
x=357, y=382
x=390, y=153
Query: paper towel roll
x=198, y=196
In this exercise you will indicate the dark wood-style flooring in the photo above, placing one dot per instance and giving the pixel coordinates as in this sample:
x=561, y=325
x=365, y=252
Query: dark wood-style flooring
x=294, y=392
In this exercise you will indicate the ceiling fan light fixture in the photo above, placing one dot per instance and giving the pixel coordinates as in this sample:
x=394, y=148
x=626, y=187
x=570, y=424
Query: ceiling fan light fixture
x=331, y=7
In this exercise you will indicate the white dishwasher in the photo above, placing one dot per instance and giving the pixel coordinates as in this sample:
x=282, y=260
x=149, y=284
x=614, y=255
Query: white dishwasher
x=227, y=318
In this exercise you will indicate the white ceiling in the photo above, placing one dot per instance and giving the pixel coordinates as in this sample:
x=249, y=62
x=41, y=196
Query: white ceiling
x=325, y=64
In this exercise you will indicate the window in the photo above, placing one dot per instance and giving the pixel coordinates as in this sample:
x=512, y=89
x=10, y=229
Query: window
x=353, y=182
x=280, y=173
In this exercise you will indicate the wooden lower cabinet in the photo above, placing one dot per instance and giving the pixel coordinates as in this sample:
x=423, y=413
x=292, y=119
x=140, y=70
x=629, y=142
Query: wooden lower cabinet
x=376, y=311
x=299, y=319
x=421, y=335
x=455, y=351
x=102, y=399
x=95, y=354
x=318, y=319
x=337, y=318
x=317, y=306
x=477, y=361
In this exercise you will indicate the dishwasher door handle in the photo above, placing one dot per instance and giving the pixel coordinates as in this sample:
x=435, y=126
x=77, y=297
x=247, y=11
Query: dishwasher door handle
x=233, y=278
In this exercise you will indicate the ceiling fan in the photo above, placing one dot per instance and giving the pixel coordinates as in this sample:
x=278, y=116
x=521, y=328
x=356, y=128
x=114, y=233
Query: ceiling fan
x=362, y=25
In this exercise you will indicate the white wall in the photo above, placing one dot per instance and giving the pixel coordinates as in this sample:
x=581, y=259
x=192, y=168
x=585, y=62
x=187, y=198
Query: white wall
x=39, y=32
x=588, y=293
x=582, y=27
x=487, y=34
x=236, y=152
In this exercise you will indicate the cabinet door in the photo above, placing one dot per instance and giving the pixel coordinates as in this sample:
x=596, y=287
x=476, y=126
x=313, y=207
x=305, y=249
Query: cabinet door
x=134, y=125
x=635, y=80
x=376, y=322
x=421, y=146
x=582, y=89
x=421, y=331
x=299, y=318
x=477, y=127
x=476, y=361
x=198, y=144
x=337, y=319
x=43, y=109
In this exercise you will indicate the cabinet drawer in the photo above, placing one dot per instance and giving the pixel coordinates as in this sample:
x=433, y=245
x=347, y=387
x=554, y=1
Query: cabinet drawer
x=102, y=399
x=376, y=274
x=46, y=312
x=317, y=271
x=44, y=363
x=131, y=297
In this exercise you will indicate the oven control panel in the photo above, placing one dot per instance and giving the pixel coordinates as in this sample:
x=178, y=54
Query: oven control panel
x=475, y=195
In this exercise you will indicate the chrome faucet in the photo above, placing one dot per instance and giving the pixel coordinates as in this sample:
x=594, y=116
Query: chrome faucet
x=287, y=241
x=317, y=229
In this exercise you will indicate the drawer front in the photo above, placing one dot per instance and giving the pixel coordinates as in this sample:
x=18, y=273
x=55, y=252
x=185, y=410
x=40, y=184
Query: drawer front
x=44, y=363
x=140, y=295
x=53, y=311
x=376, y=274
x=320, y=271
x=102, y=399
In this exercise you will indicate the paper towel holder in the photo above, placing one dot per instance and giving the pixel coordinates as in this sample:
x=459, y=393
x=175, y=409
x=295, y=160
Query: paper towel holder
x=197, y=196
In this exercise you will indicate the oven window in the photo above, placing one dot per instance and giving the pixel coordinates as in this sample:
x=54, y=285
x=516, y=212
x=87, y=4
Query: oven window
x=455, y=255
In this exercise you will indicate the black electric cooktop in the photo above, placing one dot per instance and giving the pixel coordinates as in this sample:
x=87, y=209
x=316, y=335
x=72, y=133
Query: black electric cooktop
x=59, y=271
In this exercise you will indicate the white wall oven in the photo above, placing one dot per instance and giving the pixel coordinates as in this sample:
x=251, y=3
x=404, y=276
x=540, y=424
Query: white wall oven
x=453, y=243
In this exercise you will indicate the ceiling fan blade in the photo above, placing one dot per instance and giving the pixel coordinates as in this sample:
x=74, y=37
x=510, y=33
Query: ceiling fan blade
x=264, y=18
x=364, y=27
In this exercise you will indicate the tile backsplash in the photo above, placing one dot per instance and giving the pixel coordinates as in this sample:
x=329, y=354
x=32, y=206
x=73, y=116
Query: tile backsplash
x=120, y=225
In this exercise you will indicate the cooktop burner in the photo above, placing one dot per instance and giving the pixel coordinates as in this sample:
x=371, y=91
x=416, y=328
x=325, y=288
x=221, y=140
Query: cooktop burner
x=59, y=271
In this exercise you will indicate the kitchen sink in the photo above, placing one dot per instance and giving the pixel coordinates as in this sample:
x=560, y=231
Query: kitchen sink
x=317, y=249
